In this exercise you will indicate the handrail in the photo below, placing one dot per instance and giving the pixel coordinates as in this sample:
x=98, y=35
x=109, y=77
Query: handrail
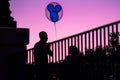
x=88, y=39
x=87, y=31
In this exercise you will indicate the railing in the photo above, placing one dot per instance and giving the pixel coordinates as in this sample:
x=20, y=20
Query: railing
x=85, y=40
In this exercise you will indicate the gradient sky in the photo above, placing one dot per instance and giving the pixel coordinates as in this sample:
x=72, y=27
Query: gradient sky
x=78, y=16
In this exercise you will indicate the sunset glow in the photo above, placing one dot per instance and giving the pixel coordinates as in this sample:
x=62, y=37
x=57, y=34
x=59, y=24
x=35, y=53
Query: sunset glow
x=78, y=16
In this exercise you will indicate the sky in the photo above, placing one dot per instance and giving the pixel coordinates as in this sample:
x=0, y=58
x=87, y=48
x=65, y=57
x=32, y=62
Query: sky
x=78, y=16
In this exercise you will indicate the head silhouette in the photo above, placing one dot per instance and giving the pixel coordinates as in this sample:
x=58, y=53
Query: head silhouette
x=73, y=50
x=43, y=36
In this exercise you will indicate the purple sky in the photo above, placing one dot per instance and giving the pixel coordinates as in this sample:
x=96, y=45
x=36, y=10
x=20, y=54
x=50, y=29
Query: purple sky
x=78, y=16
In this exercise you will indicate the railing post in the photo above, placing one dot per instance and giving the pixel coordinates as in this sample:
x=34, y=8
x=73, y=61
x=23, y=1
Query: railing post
x=82, y=42
x=93, y=40
x=86, y=40
x=104, y=37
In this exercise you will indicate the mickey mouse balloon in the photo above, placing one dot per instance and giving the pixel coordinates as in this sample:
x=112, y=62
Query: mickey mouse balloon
x=54, y=11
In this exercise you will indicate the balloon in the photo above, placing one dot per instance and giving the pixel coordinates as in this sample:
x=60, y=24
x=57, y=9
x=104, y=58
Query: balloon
x=54, y=11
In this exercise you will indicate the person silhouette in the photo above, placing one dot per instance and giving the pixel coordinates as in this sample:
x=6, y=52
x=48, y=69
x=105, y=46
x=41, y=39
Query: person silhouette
x=74, y=55
x=41, y=52
x=72, y=64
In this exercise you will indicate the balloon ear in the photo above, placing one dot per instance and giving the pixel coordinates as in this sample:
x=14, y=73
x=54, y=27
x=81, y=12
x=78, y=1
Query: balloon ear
x=58, y=8
x=50, y=7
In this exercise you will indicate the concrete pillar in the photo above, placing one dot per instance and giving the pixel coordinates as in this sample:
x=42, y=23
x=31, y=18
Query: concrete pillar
x=13, y=53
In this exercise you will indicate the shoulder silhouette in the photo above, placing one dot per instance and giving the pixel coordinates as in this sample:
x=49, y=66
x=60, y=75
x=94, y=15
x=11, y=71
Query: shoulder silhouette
x=41, y=52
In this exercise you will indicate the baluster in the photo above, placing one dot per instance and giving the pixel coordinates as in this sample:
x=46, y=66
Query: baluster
x=89, y=38
x=93, y=40
x=104, y=37
x=82, y=42
x=100, y=37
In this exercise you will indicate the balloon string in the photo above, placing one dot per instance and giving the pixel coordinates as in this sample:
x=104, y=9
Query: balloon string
x=55, y=30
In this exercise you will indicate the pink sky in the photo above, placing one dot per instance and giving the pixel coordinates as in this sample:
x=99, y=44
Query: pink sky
x=78, y=16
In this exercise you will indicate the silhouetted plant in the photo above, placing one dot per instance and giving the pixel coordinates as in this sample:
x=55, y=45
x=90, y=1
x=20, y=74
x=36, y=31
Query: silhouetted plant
x=114, y=39
x=113, y=47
